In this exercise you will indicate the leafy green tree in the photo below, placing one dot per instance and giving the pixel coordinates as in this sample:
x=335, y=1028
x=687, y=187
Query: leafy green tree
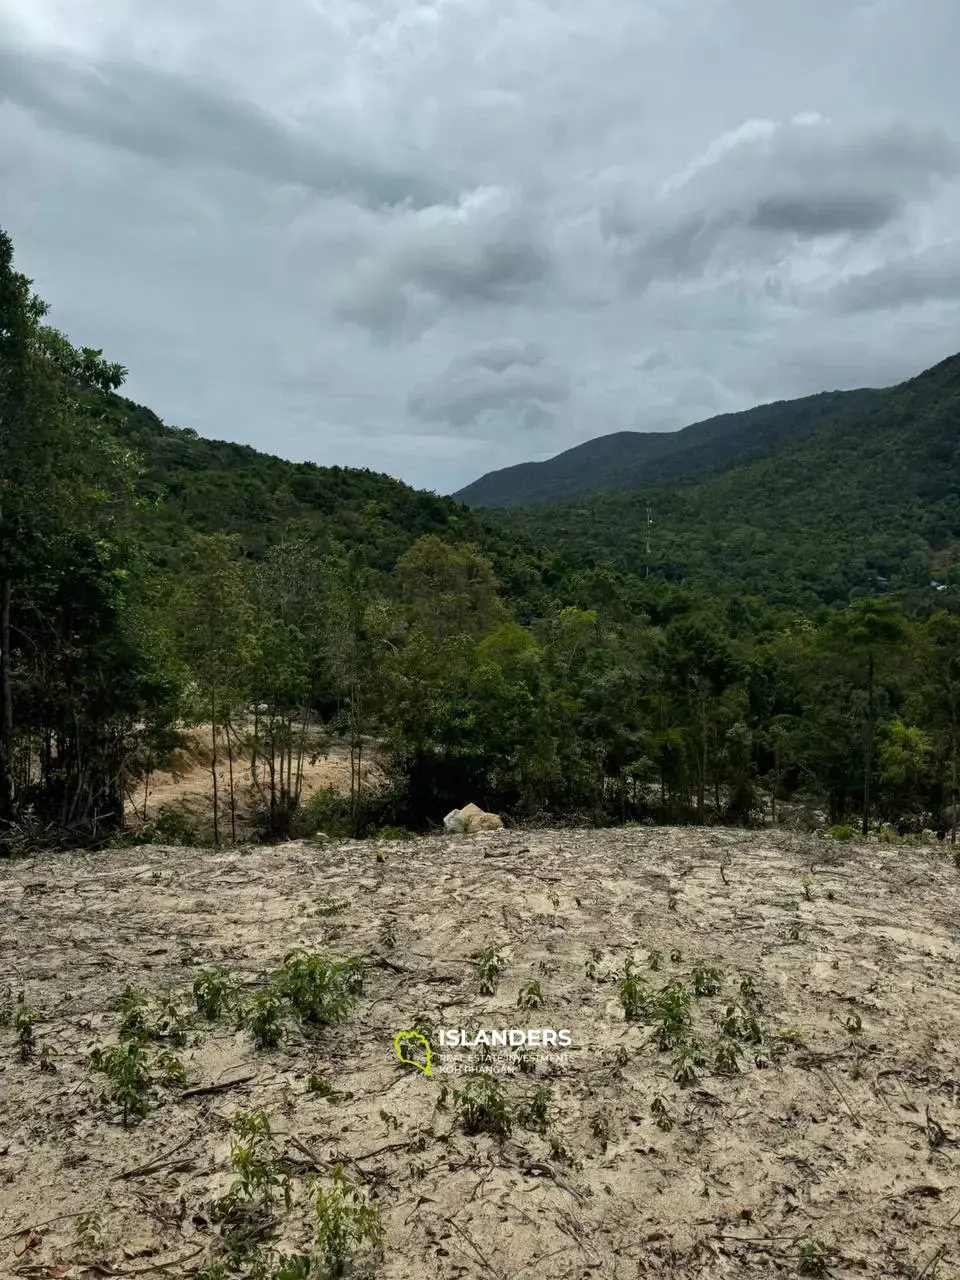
x=864, y=637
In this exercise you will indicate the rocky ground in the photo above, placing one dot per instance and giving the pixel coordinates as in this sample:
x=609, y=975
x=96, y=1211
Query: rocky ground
x=818, y=1137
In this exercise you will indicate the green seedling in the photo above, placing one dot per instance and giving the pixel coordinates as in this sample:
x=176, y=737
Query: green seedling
x=688, y=1060
x=214, y=993
x=600, y=1128
x=854, y=1023
x=634, y=996
x=707, y=980
x=259, y=1183
x=676, y=956
x=670, y=1011
x=489, y=964
x=321, y=1086
x=483, y=1107
x=48, y=1059
x=813, y=1258
x=126, y=1067
x=621, y=1057
x=532, y=1112
x=530, y=997
x=727, y=1055
x=388, y=935
x=24, y=1021
x=661, y=1114
x=655, y=960
x=741, y=1024
x=346, y=1223
x=88, y=1234
x=806, y=884
x=168, y=1021
x=321, y=992
x=265, y=1019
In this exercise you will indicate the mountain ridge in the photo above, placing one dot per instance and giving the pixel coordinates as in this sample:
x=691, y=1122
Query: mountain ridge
x=628, y=460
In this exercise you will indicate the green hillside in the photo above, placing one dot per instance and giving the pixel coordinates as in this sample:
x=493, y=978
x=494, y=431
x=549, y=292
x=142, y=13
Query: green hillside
x=866, y=503
x=196, y=486
x=631, y=460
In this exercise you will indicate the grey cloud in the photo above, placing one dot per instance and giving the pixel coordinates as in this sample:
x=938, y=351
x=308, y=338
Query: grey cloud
x=489, y=249
x=506, y=378
x=175, y=118
x=212, y=191
x=758, y=185
x=825, y=214
x=933, y=275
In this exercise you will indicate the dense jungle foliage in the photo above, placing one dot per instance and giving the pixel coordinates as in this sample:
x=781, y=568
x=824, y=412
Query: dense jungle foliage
x=868, y=502
x=150, y=580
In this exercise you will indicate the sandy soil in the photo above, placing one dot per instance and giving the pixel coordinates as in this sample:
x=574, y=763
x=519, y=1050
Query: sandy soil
x=848, y=1137
x=188, y=782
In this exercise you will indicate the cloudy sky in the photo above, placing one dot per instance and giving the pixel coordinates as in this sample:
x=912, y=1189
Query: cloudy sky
x=437, y=237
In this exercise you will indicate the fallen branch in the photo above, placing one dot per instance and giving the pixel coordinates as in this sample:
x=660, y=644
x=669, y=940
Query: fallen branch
x=856, y=1119
x=203, y=1090
x=541, y=1166
x=158, y=1162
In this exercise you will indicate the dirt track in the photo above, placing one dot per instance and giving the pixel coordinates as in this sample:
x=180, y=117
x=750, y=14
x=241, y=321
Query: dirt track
x=848, y=1137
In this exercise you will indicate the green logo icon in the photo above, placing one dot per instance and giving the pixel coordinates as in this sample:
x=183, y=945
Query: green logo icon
x=401, y=1042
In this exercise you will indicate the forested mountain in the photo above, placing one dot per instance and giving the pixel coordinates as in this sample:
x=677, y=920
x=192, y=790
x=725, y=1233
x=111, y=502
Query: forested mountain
x=151, y=580
x=864, y=502
x=646, y=460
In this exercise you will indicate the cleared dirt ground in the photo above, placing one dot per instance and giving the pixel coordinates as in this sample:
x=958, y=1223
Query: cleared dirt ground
x=848, y=1138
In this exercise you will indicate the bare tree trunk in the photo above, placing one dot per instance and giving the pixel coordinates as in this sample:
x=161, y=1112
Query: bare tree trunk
x=776, y=783
x=146, y=785
x=6, y=705
x=213, y=765
x=868, y=748
x=233, y=804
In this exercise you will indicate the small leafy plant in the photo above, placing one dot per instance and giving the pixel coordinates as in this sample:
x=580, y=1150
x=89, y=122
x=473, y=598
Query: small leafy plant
x=265, y=1019
x=530, y=997
x=533, y=1111
x=707, y=980
x=600, y=1128
x=483, y=1107
x=688, y=1060
x=24, y=1021
x=214, y=993
x=346, y=1222
x=88, y=1234
x=813, y=1258
x=634, y=995
x=320, y=991
x=671, y=1013
x=661, y=1114
x=126, y=1067
x=489, y=965
x=259, y=1182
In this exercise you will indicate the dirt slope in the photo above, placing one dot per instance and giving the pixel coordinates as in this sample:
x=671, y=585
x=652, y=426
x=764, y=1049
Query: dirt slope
x=848, y=1137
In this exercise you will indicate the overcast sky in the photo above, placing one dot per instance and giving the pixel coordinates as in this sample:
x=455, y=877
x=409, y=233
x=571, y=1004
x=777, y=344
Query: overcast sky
x=441, y=237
